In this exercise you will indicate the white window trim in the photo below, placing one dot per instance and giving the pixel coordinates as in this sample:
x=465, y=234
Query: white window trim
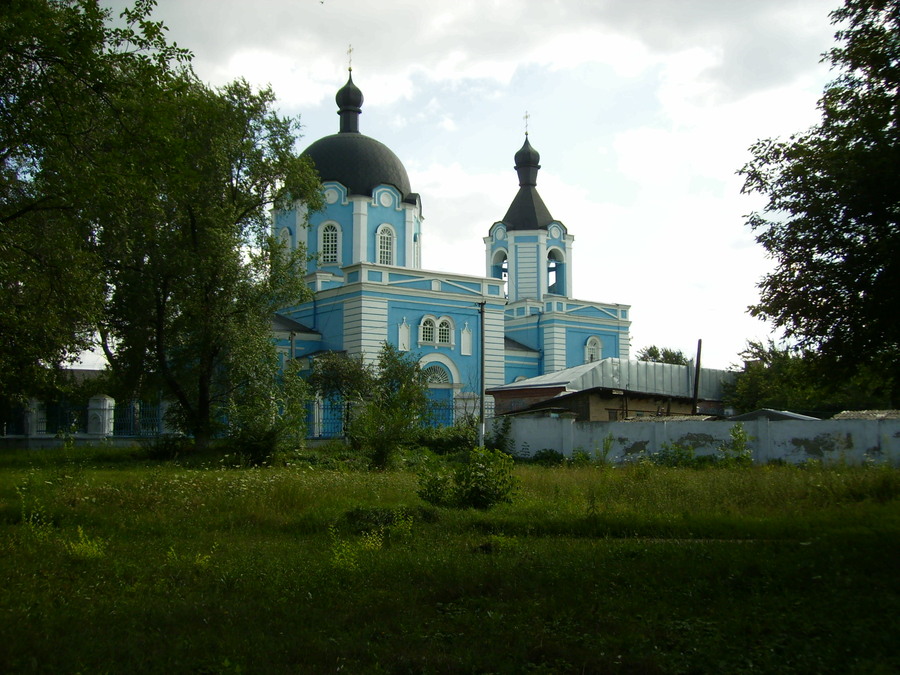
x=384, y=228
x=436, y=322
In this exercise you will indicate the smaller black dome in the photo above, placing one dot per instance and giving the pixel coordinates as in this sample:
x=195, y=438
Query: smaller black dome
x=528, y=156
x=349, y=97
x=527, y=165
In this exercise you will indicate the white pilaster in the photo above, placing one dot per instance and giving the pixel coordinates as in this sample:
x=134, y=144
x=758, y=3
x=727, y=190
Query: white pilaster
x=360, y=229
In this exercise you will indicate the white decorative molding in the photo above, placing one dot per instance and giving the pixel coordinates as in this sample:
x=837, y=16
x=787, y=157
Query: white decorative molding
x=447, y=362
x=465, y=341
x=403, y=336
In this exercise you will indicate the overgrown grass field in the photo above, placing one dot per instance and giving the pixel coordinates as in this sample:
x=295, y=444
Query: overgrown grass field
x=111, y=563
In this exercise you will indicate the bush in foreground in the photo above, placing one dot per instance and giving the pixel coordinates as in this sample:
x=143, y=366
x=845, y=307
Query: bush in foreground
x=483, y=480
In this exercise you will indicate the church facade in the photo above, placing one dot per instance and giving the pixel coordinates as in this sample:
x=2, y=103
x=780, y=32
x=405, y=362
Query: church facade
x=469, y=333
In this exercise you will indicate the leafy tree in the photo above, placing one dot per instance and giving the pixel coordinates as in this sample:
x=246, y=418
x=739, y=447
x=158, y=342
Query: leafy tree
x=193, y=271
x=388, y=400
x=831, y=221
x=157, y=191
x=663, y=355
x=786, y=378
x=62, y=72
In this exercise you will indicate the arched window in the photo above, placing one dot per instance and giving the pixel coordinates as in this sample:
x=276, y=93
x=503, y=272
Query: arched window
x=556, y=272
x=436, y=331
x=593, y=349
x=445, y=330
x=500, y=268
x=285, y=237
x=426, y=331
x=329, y=240
x=436, y=374
x=385, y=239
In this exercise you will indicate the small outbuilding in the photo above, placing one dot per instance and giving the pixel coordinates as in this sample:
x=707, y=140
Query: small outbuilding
x=615, y=389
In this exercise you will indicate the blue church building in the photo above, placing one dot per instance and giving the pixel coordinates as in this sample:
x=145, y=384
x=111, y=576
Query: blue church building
x=469, y=333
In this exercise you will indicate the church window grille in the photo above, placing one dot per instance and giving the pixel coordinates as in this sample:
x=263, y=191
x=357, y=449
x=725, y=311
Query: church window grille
x=329, y=244
x=593, y=349
x=427, y=330
x=385, y=246
x=444, y=331
x=436, y=375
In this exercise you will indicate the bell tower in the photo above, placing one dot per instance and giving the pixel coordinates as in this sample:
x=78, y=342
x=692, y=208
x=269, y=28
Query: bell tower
x=529, y=249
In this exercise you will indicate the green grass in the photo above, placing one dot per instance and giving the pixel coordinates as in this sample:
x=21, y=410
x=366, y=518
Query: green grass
x=111, y=563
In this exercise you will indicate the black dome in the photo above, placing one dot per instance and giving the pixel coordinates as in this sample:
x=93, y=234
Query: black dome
x=359, y=163
x=527, y=156
x=349, y=96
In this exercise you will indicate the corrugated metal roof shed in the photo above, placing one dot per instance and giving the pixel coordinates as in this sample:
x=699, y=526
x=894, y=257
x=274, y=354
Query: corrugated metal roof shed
x=635, y=376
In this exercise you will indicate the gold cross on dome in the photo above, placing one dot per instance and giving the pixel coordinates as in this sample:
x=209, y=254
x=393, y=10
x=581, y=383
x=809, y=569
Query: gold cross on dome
x=349, y=57
x=526, y=121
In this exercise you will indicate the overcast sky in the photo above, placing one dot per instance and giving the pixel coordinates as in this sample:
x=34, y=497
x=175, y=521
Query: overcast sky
x=642, y=111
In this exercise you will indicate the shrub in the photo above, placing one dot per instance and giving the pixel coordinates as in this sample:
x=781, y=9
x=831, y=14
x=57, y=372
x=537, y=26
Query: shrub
x=580, y=458
x=436, y=484
x=448, y=439
x=548, y=457
x=736, y=452
x=499, y=438
x=673, y=454
x=482, y=481
x=485, y=480
x=678, y=455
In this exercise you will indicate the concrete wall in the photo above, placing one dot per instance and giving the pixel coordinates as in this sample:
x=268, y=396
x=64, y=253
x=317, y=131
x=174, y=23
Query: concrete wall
x=851, y=441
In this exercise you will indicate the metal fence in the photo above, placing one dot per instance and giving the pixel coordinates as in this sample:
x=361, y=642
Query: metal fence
x=326, y=419
x=138, y=419
x=58, y=419
x=142, y=419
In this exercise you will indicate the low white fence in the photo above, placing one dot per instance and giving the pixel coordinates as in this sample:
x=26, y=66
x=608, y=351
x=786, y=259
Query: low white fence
x=851, y=441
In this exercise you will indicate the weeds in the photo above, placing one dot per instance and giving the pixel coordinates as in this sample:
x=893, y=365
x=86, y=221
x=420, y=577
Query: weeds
x=85, y=547
x=638, y=568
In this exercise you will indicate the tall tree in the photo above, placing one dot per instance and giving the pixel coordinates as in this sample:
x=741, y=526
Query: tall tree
x=832, y=221
x=193, y=271
x=155, y=191
x=662, y=355
x=63, y=72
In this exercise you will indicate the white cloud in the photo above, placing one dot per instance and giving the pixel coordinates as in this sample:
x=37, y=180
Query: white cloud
x=643, y=111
